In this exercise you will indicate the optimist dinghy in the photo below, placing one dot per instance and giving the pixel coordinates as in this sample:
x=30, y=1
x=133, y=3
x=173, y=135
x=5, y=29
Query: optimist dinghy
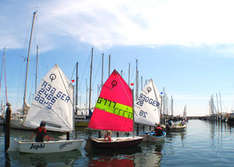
x=147, y=110
x=53, y=104
x=114, y=111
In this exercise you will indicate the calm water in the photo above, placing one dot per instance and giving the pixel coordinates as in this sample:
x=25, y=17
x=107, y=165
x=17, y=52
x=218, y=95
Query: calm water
x=202, y=144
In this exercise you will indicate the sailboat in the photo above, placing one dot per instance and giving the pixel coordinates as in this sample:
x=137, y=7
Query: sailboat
x=53, y=104
x=114, y=111
x=147, y=111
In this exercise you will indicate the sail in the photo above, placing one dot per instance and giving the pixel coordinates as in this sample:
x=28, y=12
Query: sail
x=147, y=106
x=113, y=110
x=53, y=103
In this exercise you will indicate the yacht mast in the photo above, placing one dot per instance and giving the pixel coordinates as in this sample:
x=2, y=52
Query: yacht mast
x=90, y=79
x=36, y=70
x=29, y=47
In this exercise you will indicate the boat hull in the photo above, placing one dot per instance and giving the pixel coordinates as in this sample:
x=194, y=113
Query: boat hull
x=176, y=128
x=81, y=123
x=18, y=124
x=117, y=142
x=48, y=146
x=151, y=137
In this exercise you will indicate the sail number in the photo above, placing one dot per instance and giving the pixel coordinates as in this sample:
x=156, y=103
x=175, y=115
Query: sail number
x=114, y=108
x=143, y=98
x=143, y=113
x=48, y=95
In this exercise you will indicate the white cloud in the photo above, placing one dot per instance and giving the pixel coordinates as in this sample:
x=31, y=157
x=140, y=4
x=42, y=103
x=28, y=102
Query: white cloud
x=129, y=22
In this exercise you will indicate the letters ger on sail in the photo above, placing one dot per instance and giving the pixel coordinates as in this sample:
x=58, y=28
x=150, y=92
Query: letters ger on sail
x=52, y=102
x=147, y=105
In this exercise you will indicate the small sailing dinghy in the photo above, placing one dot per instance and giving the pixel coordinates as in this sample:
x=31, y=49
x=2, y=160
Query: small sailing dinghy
x=179, y=127
x=53, y=104
x=114, y=111
x=147, y=111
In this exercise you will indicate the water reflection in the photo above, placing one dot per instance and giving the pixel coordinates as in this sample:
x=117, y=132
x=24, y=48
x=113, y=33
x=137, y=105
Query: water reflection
x=112, y=152
x=113, y=162
x=151, y=154
x=43, y=160
x=7, y=160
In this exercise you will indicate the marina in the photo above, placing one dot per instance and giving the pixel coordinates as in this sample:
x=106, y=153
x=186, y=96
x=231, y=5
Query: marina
x=203, y=144
x=102, y=84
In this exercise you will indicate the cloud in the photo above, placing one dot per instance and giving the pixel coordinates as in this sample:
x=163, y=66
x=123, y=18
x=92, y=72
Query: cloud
x=106, y=23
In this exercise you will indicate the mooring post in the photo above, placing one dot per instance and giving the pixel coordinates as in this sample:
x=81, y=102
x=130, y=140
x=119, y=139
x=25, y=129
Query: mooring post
x=68, y=136
x=99, y=134
x=7, y=126
x=7, y=160
x=137, y=129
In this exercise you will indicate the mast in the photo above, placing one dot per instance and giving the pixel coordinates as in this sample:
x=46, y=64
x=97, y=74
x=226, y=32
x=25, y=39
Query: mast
x=5, y=74
x=217, y=101
x=26, y=78
x=141, y=82
x=109, y=64
x=36, y=70
x=102, y=75
x=133, y=112
x=1, y=73
x=212, y=106
x=77, y=78
x=161, y=105
x=185, y=111
x=220, y=103
x=128, y=74
x=3, y=70
x=87, y=90
x=90, y=79
x=172, y=106
x=136, y=79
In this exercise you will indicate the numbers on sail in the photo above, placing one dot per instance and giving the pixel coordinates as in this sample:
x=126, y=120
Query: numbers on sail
x=114, y=108
x=142, y=113
x=48, y=95
x=142, y=98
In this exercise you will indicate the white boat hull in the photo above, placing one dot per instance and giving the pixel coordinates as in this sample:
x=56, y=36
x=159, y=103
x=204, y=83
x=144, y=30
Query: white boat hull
x=49, y=146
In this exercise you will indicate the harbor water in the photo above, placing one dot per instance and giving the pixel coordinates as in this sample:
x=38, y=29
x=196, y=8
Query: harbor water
x=203, y=143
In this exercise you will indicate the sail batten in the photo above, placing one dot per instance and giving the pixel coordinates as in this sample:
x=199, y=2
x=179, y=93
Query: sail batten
x=147, y=106
x=113, y=110
x=53, y=103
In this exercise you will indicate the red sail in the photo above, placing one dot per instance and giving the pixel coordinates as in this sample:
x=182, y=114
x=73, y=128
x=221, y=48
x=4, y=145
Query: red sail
x=113, y=110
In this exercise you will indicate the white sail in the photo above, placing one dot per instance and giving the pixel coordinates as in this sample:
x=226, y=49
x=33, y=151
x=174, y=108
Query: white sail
x=53, y=103
x=146, y=110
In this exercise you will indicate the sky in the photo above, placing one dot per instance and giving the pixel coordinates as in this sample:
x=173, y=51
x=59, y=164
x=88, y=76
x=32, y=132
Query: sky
x=185, y=46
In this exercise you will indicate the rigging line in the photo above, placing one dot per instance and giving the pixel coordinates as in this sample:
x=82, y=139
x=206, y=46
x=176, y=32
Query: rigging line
x=83, y=74
x=73, y=71
x=155, y=93
x=98, y=70
x=125, y=90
